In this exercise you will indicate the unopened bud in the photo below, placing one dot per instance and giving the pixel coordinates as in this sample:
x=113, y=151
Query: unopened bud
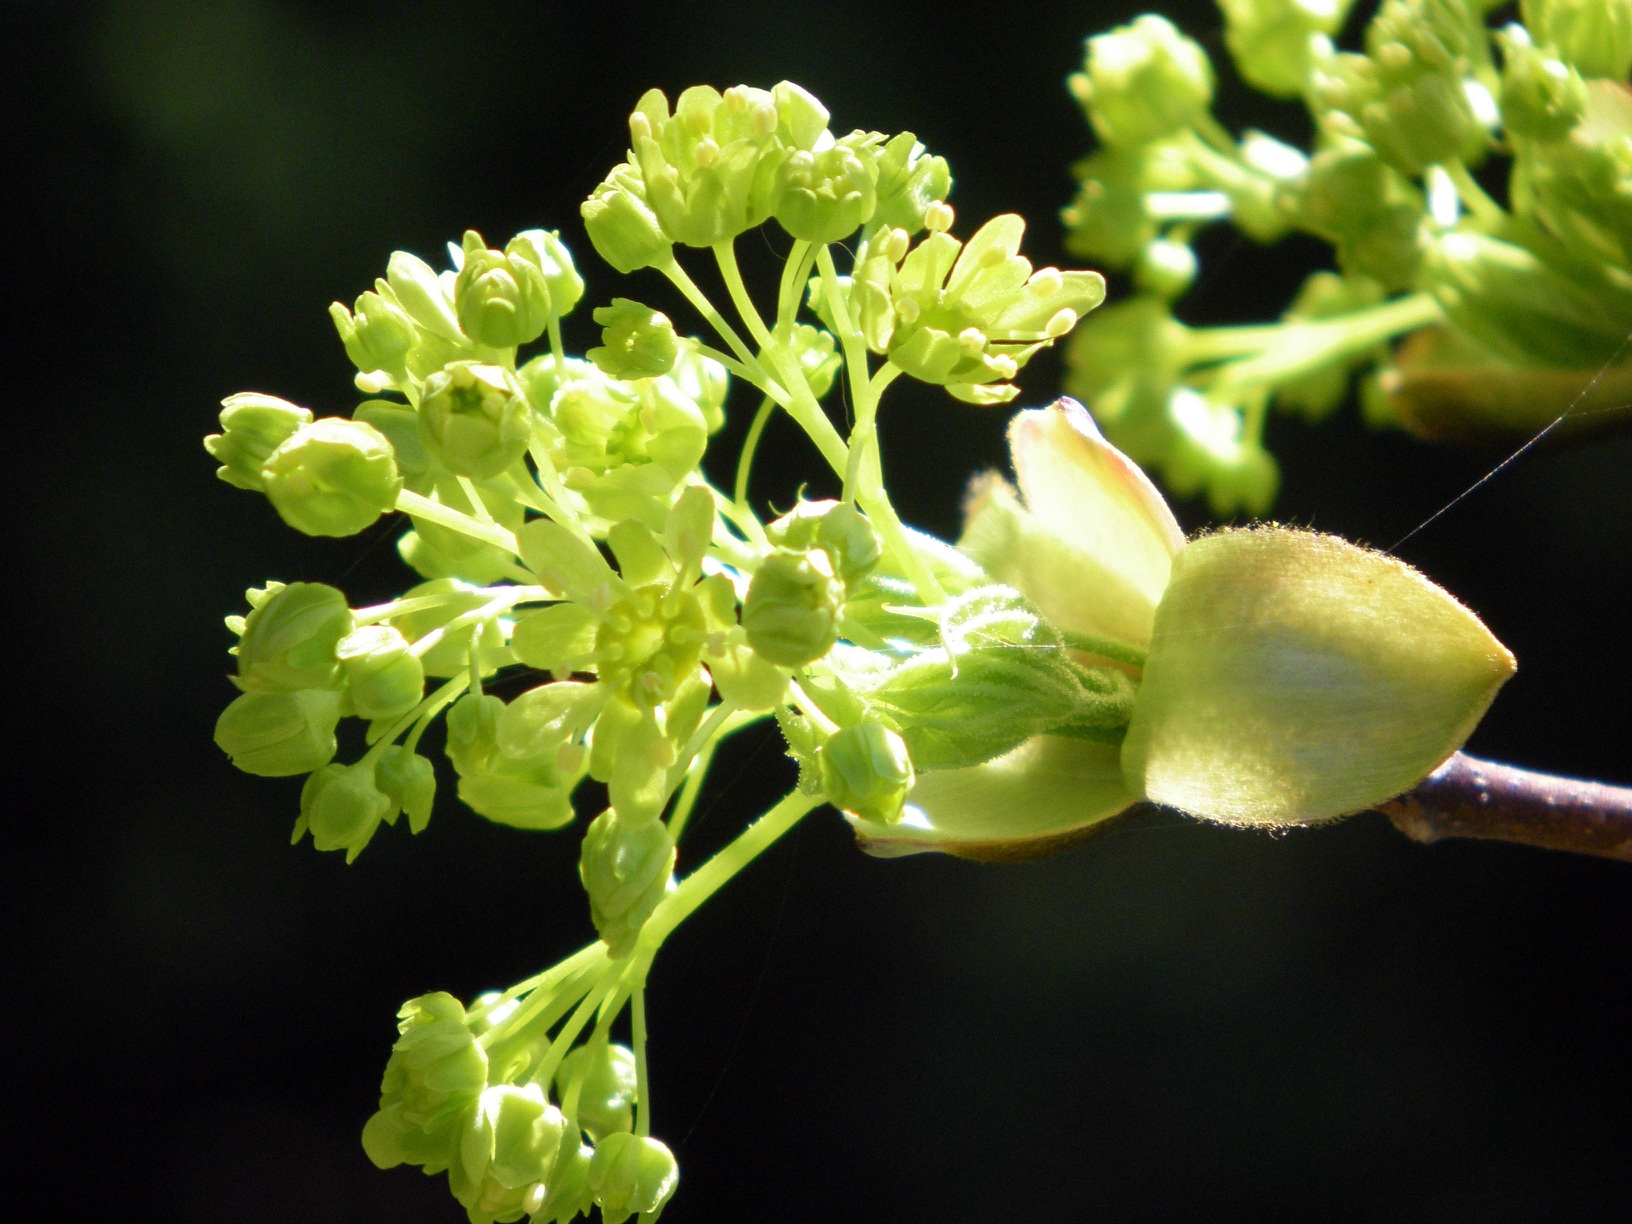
x=866, y=771
x=603, y=1076
x=333, y=477
x=632, y=1175
x=341, y=807
x=625, y=868
x=791, y=613
x=277, y=735
x=409, y=781
x=384, y=678
x=290, y=636
x=253, y=427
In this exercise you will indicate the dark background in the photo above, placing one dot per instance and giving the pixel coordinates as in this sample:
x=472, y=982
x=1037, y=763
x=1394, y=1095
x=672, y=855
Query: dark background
x=1175, y=1023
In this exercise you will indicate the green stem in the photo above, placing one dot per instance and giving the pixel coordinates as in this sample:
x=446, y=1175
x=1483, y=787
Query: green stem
x=863, y=480
x=703, y=883
x=429, y=705
x=699, y=301
x=1489, y=215
x=695, y=776
x=637, y=1020
x=557, y=973
x=795, y=275
x=745, y=462
x=1105, y=648
x=1305, y=347
x=755, y=377
x=802, y=405
x=1205, y=345
x=725, y=254
x=557, y=348
x=414, y=504
x=608, y=981
x=559, y=988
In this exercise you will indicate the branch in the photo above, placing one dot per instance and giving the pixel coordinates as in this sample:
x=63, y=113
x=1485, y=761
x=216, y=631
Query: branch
x=1467, y=797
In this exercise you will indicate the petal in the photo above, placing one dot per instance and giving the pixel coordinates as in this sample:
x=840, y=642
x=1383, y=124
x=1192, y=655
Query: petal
x=1069, y=587
x=994, y=243
x=1093, y=496
x=1295, y=678
x=1046, y=795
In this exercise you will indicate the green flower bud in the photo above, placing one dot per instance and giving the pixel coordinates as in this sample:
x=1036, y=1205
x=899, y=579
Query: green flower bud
x=545, y=251
x=333, y=477
x=289, y=637
x=423, y=297
x=632, y=1175
x=1542, y=97
x=341, y=806
x=602, y=1075
x=501, y=300
x=1580, y=189
x=436, y=1072
x=567, y=1187
x=511, y=766
x=473, y=420
x=837, y=528
x=384, y=678
x=1002, y=677
x=377, y=337
x=828, y=194
x=1276, y=43
x=1388, y=247
x=278, y=735
x=1593, y=36
x=791, y=613
x=1517, y=306
x=543, y=720
x=1109, y=220
x=527, y=799
x=865, y=770
x=621, y=224
x=473, y=731
x=909, y=181
x=816, y=352
x=636, y=341
x=1412, y=95
x=1166, y=269
x=1248, y=481
x=625, y=868
x=1143, y=81
x=255, y=425
x=1295, y=678
x=508, y=1146
x=409, y=781
x=1345, y=186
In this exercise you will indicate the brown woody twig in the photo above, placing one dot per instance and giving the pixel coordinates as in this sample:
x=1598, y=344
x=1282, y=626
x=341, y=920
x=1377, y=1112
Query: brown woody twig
x=1467, y=797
